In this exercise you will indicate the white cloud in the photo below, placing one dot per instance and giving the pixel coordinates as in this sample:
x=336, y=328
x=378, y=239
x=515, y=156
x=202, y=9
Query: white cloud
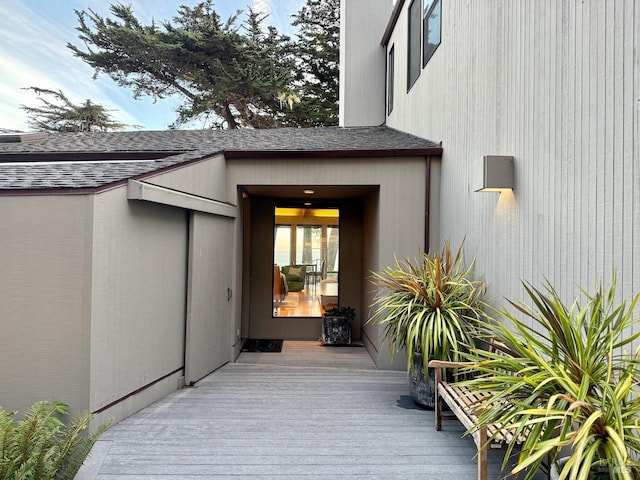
x=39, y=57
x=262, y=6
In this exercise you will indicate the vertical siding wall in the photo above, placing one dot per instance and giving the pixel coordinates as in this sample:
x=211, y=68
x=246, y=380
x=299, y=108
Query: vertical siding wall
x=362, y=96
x=139, y=301
x=205, y=178
x=45, y=265
x=556, y=84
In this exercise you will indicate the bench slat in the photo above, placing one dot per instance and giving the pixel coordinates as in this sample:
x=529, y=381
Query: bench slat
x=450, y=397
x=465, y=404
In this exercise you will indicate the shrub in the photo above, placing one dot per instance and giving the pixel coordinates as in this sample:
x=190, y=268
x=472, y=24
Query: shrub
x=42, y=446
x=564, y=381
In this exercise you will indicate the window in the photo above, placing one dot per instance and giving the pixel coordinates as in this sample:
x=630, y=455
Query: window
x=309, y=244
x=282, y=245
x=390, y=69
x=306, y=259
x=413, y=52
x=431, y=26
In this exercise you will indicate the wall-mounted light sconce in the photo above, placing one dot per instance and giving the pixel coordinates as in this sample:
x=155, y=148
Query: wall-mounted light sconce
x=497, y=173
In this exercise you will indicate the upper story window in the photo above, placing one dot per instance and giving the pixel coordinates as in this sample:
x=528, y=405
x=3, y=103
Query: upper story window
x=390, y=74
x=431, y=25
x=413, y=40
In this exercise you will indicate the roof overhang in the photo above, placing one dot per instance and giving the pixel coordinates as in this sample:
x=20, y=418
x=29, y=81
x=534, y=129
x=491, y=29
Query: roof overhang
x=359, y=153
x=84, y=156
x=395, y=14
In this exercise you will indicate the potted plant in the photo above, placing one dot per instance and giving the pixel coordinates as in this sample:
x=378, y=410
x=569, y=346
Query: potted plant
x=336, y=325
x=431, y=307
x=563, y=380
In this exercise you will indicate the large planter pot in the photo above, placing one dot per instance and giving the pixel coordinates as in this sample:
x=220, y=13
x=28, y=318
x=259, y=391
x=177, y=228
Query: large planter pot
x=554, y=471
x=422, y=386
x=336, y=330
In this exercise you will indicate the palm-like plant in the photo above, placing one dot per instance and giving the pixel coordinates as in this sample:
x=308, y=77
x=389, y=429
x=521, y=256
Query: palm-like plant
x=429, y=306
x=565, y=382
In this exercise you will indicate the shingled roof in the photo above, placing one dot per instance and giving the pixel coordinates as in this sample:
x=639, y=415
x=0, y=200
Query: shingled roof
x=97, y=159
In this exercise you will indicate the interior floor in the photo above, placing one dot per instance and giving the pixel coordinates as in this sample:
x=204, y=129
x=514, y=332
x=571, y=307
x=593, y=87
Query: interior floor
x=309, y=302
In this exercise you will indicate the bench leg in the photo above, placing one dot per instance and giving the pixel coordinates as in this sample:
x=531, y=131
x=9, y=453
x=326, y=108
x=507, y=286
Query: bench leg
x=438, y=401
x=482, y=454
x=438, y=413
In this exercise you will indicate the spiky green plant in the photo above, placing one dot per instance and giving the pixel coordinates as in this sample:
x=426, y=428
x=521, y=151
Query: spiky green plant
x=42, y=446
x=429, y=306
x=567, y=382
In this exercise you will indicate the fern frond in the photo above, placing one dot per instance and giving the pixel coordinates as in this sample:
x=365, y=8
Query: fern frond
x=81, y=450
x=42, y=446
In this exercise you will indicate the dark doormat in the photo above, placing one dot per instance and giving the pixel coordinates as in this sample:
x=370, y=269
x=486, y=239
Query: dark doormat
x=261, y=345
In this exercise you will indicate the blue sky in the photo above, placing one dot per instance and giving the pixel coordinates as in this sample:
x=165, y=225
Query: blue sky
x=33, y=38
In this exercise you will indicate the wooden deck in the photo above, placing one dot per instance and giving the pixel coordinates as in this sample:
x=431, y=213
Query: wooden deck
x=310, y=412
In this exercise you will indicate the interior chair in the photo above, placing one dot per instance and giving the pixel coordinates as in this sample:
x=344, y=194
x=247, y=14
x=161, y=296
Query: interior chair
x=295, y=275
x=318, y=272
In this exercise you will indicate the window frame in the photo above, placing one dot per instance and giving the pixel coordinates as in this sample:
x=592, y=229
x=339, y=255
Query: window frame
x=414, y=52
x=323, y=245
x=427, y=53
x=390, y=78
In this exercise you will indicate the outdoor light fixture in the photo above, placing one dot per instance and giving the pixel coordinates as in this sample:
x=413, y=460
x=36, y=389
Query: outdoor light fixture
x=497, y=173
x=308, y=192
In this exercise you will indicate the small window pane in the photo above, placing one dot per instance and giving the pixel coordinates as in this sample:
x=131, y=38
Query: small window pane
x=309, y=244
x=282, y=245
x=333, y=249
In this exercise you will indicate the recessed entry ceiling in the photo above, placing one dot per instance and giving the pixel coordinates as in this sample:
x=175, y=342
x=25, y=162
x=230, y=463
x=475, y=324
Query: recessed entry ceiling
x=321, y=192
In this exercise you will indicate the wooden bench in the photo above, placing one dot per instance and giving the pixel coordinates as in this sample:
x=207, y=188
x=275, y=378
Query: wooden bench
x=463, y=403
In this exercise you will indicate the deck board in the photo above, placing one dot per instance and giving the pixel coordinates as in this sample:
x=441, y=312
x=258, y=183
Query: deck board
x=307, y=413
